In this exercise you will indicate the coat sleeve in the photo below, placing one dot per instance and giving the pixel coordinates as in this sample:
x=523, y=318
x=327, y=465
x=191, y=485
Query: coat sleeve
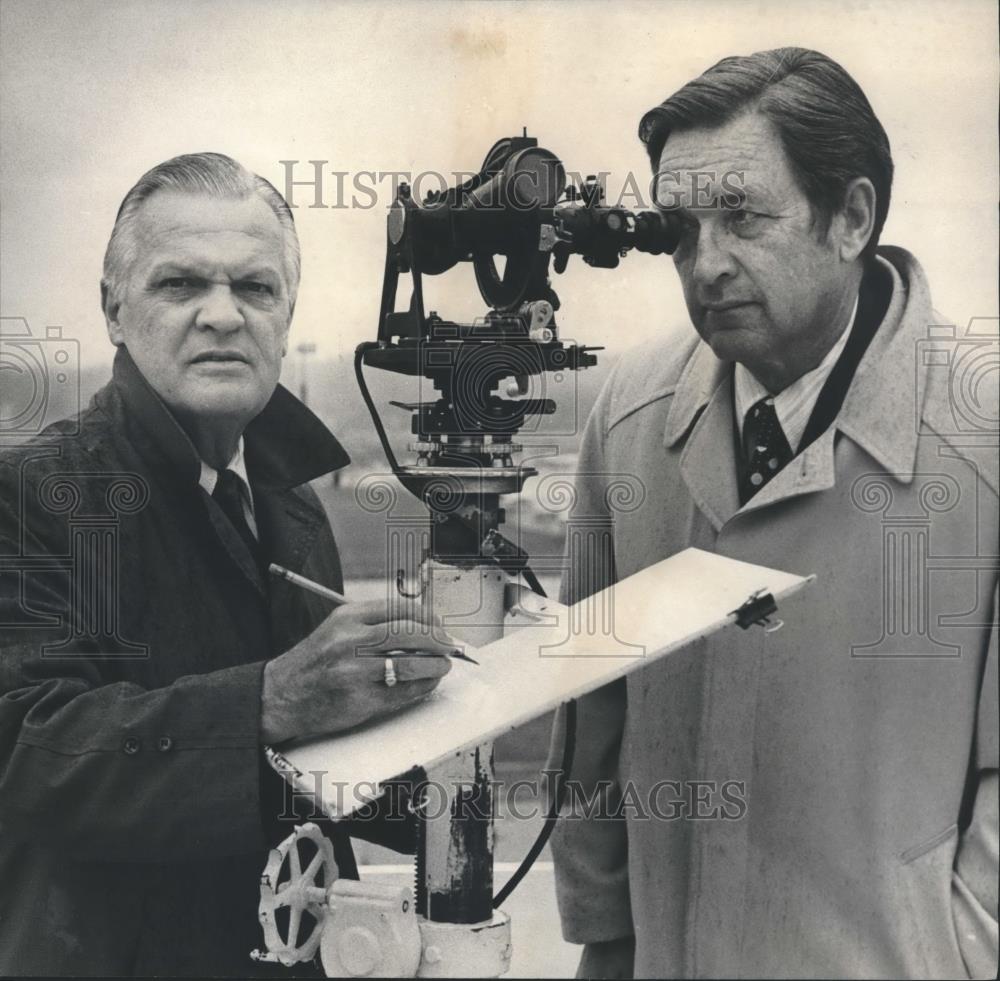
x=977, y=864
x=589, y=846
x=104, y=769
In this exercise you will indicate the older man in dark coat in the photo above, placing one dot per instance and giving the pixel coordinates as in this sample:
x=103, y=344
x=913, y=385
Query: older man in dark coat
x=146, y=655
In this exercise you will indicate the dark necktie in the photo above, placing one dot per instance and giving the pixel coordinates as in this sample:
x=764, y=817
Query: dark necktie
x=228, y=496
x=765, y=448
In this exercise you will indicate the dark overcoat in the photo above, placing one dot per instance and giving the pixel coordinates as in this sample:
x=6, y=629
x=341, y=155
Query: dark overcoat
x=134, y=628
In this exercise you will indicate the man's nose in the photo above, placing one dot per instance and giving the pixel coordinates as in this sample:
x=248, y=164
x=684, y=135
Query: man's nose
x=713, y=258
x=219, y=309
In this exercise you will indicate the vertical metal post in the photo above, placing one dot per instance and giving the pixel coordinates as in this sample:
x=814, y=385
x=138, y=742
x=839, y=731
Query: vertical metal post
x=304, y=350
x=455, y=861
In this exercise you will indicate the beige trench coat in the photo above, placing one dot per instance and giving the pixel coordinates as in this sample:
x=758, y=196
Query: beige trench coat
x=821, y=800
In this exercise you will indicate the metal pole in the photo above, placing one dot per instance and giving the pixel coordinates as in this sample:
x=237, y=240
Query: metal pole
x=304, y=350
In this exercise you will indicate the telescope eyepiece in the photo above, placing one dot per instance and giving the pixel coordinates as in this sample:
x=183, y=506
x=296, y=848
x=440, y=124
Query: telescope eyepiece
x=603, y=234
x=656, y=232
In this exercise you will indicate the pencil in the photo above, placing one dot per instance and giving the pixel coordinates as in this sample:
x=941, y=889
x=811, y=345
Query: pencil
x=280, y=572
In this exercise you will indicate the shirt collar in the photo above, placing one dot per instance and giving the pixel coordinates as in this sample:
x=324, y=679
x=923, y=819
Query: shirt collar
x=795, y=403
x=209, y=477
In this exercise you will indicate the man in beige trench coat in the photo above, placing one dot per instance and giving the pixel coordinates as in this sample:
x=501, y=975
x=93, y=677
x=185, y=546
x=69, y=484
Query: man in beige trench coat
x=821, y=800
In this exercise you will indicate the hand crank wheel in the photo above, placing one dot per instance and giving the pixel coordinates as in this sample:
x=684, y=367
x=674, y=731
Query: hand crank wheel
x=304, y=891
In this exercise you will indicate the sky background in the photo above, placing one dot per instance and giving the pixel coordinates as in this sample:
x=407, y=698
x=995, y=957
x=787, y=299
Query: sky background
x=95, y=93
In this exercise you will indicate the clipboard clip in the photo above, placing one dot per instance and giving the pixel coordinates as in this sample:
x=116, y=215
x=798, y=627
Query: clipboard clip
x=757, y=610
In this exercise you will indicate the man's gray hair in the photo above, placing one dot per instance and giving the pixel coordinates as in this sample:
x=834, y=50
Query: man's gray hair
x=213, y=174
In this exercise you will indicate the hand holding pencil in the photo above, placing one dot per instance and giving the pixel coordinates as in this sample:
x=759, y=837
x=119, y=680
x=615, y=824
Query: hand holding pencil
x=364, y=661
x=280, y=572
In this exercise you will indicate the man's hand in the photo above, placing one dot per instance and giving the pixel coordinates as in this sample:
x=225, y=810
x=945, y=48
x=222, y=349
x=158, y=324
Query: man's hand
x=335, y=678
x=608, y=959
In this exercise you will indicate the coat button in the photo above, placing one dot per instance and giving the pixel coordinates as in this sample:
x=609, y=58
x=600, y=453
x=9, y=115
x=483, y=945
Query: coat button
x=132, y=745
x=164, y=744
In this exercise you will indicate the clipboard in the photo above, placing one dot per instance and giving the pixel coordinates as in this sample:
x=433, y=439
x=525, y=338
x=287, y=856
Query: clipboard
x=549, y=654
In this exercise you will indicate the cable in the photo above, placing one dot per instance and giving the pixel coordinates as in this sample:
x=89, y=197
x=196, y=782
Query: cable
x=569, y=747
x=532, y=580
x=359, y=373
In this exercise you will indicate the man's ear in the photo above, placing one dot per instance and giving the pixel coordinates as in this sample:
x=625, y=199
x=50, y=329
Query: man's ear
x=857, y=218
x=111, y=306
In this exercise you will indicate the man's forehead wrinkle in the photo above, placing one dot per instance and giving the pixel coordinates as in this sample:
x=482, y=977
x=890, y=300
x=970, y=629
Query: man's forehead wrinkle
x=711, y=149
x=749, y=141
x=223, y=240
x=222, y=250
x=167, y=236
x=745, y=156
x=706, y=160
x=229, y=266
x=161, y=234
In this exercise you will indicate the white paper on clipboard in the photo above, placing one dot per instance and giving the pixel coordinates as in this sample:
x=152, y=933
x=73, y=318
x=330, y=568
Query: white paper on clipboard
x=532, y=669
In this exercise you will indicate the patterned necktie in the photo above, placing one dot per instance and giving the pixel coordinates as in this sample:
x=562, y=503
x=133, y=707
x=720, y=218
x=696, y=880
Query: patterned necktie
x=765, y=448
x=229, y=497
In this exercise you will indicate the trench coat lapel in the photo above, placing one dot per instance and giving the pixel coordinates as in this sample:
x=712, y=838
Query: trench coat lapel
x=231, y=541
x=703, y=406
x=289, y=526
x=811, y=471
x=287, y=446
x=883, y=410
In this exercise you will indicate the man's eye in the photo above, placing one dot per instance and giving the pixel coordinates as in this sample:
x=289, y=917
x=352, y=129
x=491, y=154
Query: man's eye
x=743, y=220
x=252, y=286
x=179, y=283
x=687, y=225
x=687, y=228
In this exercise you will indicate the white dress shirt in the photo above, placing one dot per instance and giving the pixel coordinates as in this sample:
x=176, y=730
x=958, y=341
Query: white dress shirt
x=794, y=404
x=209, y=478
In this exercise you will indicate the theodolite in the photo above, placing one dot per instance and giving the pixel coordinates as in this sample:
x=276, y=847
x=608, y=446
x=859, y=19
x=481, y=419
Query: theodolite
x=518, y=207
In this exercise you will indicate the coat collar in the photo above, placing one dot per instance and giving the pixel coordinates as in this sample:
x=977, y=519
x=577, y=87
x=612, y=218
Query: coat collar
x=702, y=377
x=884, y=404
x=286, y=444
x=880, y=413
